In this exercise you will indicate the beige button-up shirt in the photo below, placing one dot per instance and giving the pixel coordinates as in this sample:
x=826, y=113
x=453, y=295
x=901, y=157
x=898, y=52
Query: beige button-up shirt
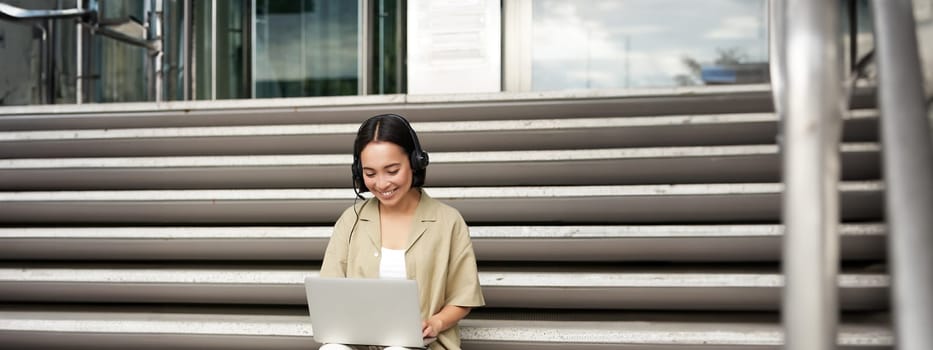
x=439, y=255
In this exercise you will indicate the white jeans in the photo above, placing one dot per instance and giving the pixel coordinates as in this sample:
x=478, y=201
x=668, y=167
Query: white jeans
x=360, y=347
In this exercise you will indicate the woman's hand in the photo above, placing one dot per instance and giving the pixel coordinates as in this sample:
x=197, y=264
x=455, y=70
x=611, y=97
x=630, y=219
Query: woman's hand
x=432, y=327
x=441, y=321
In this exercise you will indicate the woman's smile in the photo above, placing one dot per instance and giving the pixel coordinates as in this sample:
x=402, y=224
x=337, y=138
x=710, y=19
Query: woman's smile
x=388, y=194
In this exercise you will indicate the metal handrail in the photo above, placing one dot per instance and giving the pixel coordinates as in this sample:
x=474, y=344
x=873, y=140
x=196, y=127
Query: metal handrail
x=812, y=110
x=907, y=154
x=88, y=17
x=127, y=30
x=17, y=14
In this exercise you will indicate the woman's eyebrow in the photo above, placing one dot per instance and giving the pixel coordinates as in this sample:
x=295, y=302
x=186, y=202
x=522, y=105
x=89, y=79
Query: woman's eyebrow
x=385, y=167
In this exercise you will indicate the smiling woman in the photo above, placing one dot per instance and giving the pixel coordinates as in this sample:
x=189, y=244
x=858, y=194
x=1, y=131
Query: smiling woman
x=403, y=233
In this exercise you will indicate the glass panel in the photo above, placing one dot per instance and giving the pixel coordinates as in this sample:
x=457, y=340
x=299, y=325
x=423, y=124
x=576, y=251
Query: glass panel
x=203, y=44
x=317, y=57
x=923, y=12
x=648, y=43
x=864, y=37
x=174, y=56
x=63, y=57
x=21, y=47
x=388, y=47
x=119, y=69
x=231, y=64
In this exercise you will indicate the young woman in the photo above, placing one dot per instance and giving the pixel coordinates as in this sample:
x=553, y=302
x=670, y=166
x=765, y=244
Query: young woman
x=403, y=233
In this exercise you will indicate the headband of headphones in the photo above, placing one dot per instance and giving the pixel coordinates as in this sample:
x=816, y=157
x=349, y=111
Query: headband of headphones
x=418, y=158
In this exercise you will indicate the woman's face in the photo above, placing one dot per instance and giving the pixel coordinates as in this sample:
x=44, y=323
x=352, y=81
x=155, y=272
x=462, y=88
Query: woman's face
x=386, y=171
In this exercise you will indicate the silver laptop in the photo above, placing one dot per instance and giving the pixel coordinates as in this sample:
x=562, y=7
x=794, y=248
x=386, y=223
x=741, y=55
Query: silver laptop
x=365, y=311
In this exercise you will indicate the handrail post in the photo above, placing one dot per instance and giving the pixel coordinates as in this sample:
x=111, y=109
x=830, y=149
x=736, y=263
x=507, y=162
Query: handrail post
x=79, y=58
x=907, y=155
x=810, y=208
x=155, y=50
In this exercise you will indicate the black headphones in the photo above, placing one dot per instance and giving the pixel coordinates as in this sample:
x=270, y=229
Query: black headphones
x=418, y=158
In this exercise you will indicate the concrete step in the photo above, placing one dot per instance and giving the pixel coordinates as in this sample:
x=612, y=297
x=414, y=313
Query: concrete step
x=664, y=287
x=733, y=203
x=447, y=136
x=600, y=330
x=353, y=109
x=619, y=166
x=146, y=327
x=491, y=243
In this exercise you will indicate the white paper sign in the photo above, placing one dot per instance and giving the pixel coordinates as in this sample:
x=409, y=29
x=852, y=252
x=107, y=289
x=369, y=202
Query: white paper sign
x=454, y=46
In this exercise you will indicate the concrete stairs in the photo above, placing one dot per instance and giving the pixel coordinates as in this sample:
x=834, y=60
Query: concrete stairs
x=646, y=219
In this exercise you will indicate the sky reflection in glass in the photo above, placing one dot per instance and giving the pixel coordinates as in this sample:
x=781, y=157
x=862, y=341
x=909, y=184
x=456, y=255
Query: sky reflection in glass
x=641, y=43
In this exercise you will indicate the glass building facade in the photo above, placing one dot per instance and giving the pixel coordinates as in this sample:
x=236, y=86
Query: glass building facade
x=240, y=49
x=646, y=43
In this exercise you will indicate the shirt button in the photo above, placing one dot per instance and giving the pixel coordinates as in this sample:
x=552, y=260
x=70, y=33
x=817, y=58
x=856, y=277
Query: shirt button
x=375, y=254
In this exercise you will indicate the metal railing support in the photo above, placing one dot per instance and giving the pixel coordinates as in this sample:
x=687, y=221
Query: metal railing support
x=907, y=154
x=157, y=53
x=810, y=209
x=79, y=58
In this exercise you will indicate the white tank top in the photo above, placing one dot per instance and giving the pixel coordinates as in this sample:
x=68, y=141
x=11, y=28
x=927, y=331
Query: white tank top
x=392, y=264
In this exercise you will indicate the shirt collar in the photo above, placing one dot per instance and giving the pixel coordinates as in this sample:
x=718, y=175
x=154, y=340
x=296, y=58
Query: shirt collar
x=425, y=214
x=426, y=210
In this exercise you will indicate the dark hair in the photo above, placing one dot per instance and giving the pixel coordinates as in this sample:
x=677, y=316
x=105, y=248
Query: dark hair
x=395, y=129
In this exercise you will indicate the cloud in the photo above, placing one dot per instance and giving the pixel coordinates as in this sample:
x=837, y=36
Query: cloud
x=739, y=27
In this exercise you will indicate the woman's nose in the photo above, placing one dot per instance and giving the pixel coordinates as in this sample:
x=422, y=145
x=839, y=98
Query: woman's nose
x=382, y=181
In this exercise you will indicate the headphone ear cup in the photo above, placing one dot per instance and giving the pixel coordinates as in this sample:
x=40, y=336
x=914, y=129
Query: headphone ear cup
x=419, y=160
x=423, y=160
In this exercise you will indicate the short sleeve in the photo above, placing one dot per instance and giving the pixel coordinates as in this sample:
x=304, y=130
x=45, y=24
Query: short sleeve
x=335, y=257
x=463, y=288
